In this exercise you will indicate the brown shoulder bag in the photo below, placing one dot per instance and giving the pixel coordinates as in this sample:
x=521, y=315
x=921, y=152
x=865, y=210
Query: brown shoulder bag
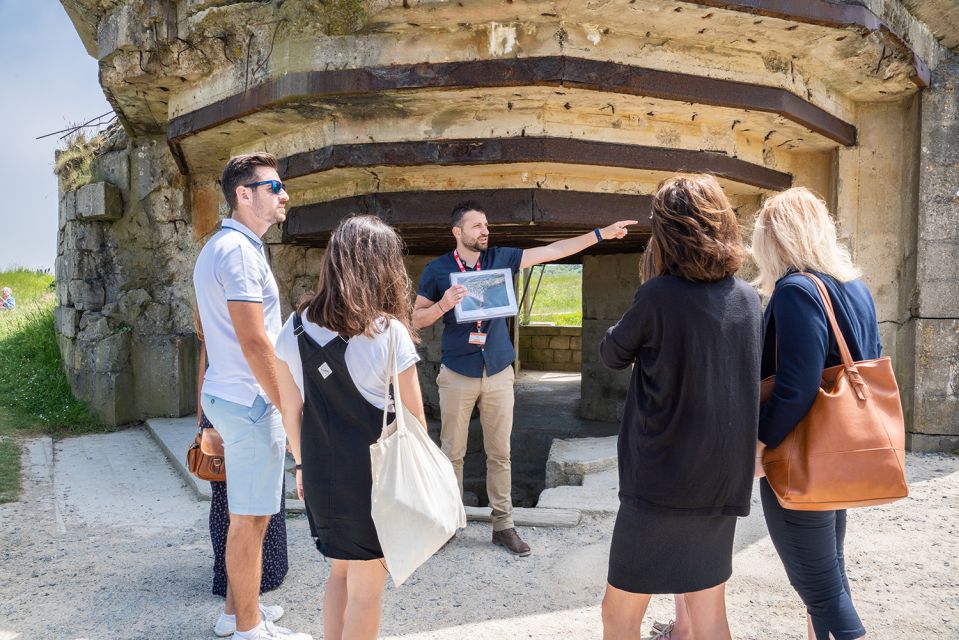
x=849, y=449
x=202, y=465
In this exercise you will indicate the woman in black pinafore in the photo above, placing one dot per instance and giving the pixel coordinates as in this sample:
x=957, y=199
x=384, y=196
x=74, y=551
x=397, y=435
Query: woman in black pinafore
x=332, y=360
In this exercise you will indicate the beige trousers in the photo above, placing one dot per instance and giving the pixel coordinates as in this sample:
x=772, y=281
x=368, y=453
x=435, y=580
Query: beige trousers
x=494, y=394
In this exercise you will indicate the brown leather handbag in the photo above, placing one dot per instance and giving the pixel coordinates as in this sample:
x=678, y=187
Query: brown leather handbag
x=849, y=449
x=202, y=465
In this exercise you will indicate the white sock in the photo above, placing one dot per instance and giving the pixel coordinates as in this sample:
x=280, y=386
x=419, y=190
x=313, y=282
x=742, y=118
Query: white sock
x=228, y=616
x=250, y=633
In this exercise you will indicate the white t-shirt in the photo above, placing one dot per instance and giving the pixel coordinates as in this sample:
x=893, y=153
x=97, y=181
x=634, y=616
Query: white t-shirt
x=366, y=358
x=232, y=267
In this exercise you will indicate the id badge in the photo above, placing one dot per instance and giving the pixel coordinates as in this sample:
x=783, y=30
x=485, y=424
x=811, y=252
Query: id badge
x=478, y=338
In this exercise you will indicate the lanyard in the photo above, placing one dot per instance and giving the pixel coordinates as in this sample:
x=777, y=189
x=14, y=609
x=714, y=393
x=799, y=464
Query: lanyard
x=459, y=263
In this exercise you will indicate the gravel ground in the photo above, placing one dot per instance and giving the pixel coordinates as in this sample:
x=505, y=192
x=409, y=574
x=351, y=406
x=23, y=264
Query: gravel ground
x=107, y=543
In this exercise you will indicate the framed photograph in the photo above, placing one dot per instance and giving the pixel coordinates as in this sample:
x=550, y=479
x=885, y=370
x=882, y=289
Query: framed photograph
x=489, y=294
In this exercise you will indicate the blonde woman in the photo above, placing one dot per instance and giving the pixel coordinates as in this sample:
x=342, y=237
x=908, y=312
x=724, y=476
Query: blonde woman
x=794, y=232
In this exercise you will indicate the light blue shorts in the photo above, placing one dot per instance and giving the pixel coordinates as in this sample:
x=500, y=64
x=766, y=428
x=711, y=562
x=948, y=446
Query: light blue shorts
x=254, y=446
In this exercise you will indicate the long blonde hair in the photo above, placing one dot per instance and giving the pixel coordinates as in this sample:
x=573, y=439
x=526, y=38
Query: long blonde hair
x=794, y=230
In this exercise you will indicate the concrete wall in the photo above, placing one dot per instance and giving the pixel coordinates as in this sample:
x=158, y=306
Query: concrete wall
x=546, y=348
x=125, y=252
x=931, y=337
x=609, y=283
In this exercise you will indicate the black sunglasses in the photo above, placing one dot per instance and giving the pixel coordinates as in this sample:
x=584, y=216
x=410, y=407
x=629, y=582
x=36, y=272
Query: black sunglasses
x=275, y=185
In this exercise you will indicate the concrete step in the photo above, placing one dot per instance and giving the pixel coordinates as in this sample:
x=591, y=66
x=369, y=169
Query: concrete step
x=572, y=459
x=594, y=500
x=174, y=436
x=535, y=517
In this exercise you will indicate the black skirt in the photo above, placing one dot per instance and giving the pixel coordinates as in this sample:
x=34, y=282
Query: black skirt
x=655, y=552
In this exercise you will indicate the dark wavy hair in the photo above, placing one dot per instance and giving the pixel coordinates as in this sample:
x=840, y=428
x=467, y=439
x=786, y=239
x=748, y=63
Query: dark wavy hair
x=695, y=233
x=362, y=279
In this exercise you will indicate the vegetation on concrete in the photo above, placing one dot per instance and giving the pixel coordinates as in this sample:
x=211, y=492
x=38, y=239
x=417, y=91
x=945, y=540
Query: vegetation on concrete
x=74, y=163
x=560, y=296
x=35, y=396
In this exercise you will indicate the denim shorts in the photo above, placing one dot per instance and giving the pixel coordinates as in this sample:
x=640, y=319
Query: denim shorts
x=254, y=446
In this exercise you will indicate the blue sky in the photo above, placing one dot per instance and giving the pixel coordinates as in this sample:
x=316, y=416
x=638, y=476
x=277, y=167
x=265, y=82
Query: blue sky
x=49, y=82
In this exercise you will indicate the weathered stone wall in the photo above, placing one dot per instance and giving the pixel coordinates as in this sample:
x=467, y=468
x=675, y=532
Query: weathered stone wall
x=932, y=333
x=546, y=348
x=124, y=262
x=609, y=283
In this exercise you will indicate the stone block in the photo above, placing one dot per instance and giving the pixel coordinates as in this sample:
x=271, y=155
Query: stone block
x=151, y=167
x=577, y=356
x=164, y=375
x=564, y=356
x=935, y=404
x=94, y=327
x=576, y=343
x=559, y=342
x=540, y=342
x=68, y=207
x=131, y=304
x=99, y=201
x=924, y=443
x=113, y=167
x=112, y=354
x=154, y=320
x=111, y=396
x=82, y=236
x=68, y=353
x=67, y=321
x=525, y=342
x=62, y=289
x=86, y=295
x=166, y=204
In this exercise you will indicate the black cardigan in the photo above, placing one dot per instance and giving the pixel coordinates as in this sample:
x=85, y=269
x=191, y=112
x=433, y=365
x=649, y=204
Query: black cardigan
x=688, y=437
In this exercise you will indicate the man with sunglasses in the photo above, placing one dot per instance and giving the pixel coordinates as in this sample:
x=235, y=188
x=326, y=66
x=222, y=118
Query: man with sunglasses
x=239, y=308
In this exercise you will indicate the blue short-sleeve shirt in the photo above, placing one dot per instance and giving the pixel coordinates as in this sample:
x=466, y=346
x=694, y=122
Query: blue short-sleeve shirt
x=458, y=354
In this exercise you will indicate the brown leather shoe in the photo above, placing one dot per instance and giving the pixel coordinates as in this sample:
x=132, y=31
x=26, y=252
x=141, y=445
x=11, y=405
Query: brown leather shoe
x=510, y=539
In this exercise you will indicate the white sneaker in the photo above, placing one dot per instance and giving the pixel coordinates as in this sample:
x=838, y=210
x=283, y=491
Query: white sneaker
x=226, y=624
x=269, y=631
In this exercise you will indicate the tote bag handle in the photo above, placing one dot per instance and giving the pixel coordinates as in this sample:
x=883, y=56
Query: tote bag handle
x=392, y=373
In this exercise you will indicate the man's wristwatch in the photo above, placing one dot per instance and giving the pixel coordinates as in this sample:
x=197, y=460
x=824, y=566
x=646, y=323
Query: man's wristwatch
x=599, y=236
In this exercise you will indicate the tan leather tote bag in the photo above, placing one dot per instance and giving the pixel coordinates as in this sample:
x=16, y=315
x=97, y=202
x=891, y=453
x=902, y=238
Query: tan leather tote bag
x=849, y=449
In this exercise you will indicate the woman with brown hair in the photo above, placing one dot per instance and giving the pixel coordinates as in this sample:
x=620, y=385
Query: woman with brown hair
x=688, y=434
x=332, y=360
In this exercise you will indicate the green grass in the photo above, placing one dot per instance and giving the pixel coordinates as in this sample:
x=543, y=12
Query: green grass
x=35, y=397
x=560, y=296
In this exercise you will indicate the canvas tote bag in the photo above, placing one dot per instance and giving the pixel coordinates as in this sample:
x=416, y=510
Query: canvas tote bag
x=849, y=449
x=417, y=505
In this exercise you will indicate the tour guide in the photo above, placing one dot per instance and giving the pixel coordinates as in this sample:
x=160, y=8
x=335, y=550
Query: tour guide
x=477, y=356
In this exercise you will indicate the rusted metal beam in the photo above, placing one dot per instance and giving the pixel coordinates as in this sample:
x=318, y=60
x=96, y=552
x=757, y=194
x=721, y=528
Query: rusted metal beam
x=518, y=217
x=480, y=151
x=826, y=14
x=555, y=71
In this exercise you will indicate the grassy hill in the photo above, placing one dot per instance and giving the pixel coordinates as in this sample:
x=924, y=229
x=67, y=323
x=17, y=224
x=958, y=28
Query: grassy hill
x=560, y=295
x=35, y=397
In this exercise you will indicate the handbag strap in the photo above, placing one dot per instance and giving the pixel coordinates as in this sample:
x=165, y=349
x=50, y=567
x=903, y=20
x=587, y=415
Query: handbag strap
x=862, y=391
x=393, y=376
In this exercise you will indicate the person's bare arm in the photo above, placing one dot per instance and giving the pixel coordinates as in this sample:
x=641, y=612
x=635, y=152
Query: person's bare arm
x=562, y=248
x=426, y=312
x=292, y=416
x=247, y=318
x=410, y=393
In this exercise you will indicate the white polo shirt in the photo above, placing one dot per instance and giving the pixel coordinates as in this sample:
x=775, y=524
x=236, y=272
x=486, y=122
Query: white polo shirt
x=232, y=267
